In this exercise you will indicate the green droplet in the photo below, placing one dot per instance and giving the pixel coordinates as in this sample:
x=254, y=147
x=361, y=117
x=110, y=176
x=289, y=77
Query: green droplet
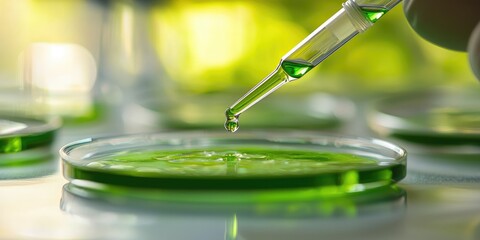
x=231, y=123
x=373, y=14
x=296, y=69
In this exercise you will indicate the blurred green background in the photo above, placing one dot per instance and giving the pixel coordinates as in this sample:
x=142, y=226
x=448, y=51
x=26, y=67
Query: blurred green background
x=171, y=50
x=210, y=46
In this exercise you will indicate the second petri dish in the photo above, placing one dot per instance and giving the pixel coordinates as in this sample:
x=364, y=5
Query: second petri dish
x=449, y=116
x=441, y=129
x=26, y=146
x=222, y=161
x=19, y=133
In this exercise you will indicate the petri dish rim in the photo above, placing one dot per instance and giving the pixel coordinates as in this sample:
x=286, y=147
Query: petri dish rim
x=74, y=153
x=47, y=124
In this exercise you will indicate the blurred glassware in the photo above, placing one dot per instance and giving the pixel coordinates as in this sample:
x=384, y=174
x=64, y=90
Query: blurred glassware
x=440, y=128
x=59, y=77
x=127, y=53
x=431, y=117
x=21, y=133
x=26, y=146
x=51, y=55
x=48, y=69
x=128, y=63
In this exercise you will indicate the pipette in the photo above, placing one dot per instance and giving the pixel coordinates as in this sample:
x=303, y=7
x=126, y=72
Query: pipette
x=355, y=17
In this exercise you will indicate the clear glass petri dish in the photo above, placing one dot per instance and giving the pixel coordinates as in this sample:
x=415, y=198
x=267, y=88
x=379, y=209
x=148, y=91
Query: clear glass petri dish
x=440, y=127
x=243, y=161
x=448, y=116
x=20, y=133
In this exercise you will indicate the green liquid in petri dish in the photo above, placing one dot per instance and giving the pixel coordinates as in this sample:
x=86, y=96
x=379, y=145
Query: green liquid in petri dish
x=242, y=168
x=373, y=13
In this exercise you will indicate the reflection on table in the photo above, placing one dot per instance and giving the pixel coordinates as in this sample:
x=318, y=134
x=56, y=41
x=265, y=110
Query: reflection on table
x=184, y=217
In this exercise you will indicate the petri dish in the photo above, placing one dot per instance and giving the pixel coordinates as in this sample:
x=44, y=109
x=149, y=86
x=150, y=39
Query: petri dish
x=441, y=129
x=20, y=133
x=449, y=116
x=311, y=111
x=26, y=146
x=223, y=161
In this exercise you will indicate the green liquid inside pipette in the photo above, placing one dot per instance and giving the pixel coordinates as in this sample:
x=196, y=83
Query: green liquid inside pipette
x=373, y=13
x=289, y=70
x=296, y=69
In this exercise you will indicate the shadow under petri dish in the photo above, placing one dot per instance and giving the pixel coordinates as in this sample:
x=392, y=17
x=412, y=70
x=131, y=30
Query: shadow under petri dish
x=222, y=161
x=33, y=163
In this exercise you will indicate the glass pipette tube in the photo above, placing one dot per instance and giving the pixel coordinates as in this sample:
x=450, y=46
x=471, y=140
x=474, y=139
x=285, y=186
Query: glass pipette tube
x=355, y=17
